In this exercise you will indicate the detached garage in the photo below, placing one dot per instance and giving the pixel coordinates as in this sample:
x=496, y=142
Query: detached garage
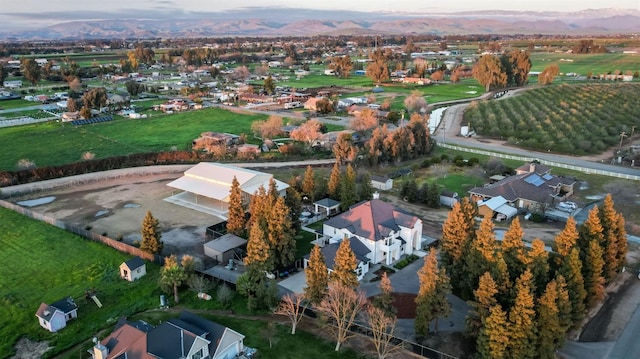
x=224, y=248
x=497, y=208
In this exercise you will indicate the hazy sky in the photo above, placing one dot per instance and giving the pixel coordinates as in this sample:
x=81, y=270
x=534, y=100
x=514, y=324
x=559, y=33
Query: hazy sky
x=33, y=13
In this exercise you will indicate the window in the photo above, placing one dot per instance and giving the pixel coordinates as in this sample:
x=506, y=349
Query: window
x=198, y=355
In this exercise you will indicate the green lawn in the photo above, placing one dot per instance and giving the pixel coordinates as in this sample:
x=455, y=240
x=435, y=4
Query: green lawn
x=41, y=263
x=16, y=103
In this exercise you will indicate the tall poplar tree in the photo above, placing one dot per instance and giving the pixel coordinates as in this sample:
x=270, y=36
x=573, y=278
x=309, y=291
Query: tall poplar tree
x=236, y=215
x=151, y=235
x=538, y=263
x=591, y=229
x=317, y=276
x=293, y=200
x=344, y=265
x=333, y=187
x=622, y=242
x=384, y=300
x=365, y=190
x=564, y=304
x=258, y=250
x=280, y=234
x=522, y=325
x=482, y=256
x=431, y=301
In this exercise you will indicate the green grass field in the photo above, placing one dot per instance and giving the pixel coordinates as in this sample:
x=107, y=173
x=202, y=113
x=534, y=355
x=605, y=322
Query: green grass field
x=55, y=143
x=584, y=63
x=41, y=263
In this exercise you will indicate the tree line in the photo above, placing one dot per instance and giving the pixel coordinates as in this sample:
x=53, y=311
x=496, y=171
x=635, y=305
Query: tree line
x=524, y=300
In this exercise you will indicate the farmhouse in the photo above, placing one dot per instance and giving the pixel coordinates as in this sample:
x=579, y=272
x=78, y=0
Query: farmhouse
x=206, y=186
x=532, y=185
x=189, y=336
x=55, y=316
x=133, y=269
x=386, y=231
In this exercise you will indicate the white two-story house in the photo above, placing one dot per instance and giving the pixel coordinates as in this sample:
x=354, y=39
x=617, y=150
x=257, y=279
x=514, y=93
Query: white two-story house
x=386, y=231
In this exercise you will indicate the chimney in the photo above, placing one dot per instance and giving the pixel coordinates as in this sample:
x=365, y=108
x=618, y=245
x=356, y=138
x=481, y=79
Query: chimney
x=532, y=167
x=100, y=351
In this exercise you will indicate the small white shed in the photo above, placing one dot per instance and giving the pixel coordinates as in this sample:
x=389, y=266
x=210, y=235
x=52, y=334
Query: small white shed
x=381, y=182
x=133, y=269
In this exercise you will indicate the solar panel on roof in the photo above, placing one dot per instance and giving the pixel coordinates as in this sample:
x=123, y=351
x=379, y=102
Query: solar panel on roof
x=547, y=176
x=538, y=182
x=532, y=179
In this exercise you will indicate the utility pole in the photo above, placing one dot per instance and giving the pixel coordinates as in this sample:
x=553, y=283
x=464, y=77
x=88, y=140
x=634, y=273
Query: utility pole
x=622, y=136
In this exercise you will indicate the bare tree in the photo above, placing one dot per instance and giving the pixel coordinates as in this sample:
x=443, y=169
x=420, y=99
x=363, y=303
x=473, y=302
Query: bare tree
x=383, y=329
x=341, y=306
x=366, y=120
x=415, y=102
x=291, y=307
x=269, y=128
x=308, y=132
x=240, y=73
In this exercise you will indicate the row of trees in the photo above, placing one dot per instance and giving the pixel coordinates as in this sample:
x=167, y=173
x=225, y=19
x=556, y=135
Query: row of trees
x=523, y=300
x=510, y=69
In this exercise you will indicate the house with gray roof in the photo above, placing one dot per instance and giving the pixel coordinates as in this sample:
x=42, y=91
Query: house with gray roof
x=532, y=186
x=54, y=317
x=133, y=269
x=386, y=231
x=361, y=252
x=188, y=336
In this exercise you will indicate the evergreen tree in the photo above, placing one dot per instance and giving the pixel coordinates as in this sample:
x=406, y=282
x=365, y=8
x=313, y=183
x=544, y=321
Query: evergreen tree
x=365, y=192
x=565, y=240
x=317, y=276
x=431, y=301
x=591, y=229
x=550, y=331
x=513, y=249
x=621, y=234
x=537, y=260
x=348, y=189
x=333, y=187
x=432, y=195
x=258, y=250
x=308, y=183
x=482, y=255
x=493, y=338
x=344, y=266
x=592, y=272
x=384, y=300
x=151, y=235
x=236, y=215
x=522, y=326
x=280, y=234
x=293, y=200
x=571, y=270
x=484, y=299
x=563, y=303
x=457, y=232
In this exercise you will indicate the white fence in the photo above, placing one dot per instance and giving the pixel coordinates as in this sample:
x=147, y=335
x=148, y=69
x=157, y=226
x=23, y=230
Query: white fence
x=544, y=162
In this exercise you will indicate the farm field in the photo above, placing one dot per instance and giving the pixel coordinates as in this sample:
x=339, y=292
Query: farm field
x=41, y=263
x=584, y=63
x=59, y=144
x=571, y=119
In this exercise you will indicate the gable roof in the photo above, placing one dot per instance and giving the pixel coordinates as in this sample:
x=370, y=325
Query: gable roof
x=374, y=220
x=533, y=167
x=65, y=305
x=529, y=186
x=171, y=339
x=381, y=179
x=359, y=249
x=214, y=180
x=327, y=203
x=134, y=263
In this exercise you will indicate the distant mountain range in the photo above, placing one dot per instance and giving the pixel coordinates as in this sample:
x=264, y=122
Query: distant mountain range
x=304, y=22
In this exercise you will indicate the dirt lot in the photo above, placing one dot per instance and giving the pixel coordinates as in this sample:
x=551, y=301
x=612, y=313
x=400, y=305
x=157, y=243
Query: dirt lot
x=117, y=207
